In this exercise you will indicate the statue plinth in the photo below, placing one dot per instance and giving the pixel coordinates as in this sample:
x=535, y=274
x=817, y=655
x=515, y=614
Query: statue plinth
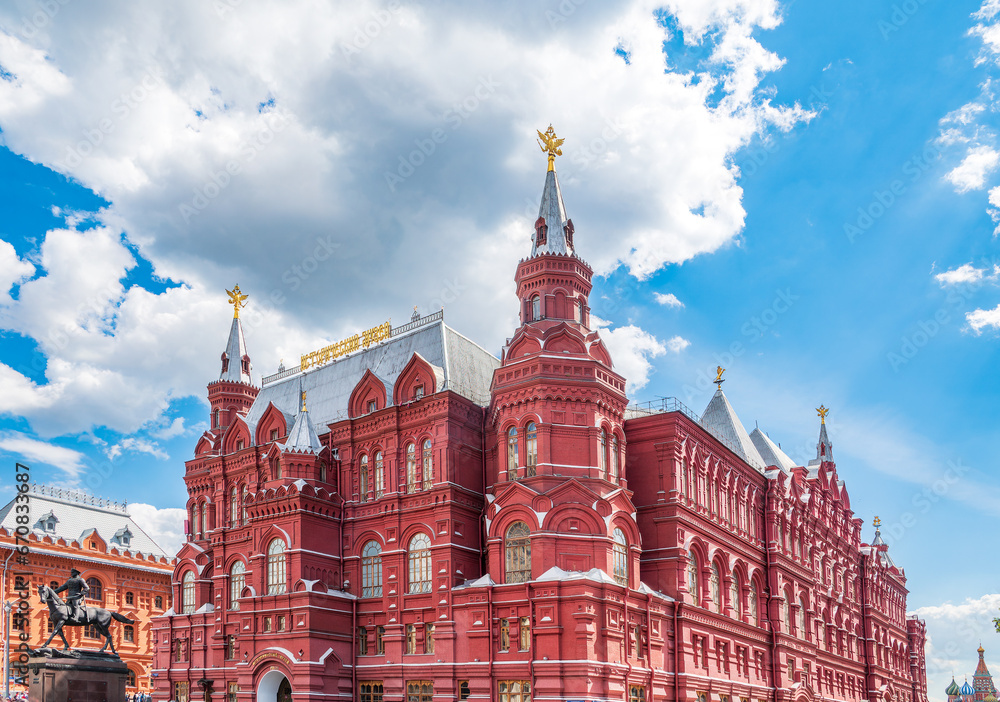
x=75, y=676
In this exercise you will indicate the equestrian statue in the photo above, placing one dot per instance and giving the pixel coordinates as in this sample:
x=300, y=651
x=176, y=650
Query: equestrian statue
x=75, y=611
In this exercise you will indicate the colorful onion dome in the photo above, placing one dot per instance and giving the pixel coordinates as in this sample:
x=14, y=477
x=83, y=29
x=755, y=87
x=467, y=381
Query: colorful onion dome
x=967, y=689
x=952, y=689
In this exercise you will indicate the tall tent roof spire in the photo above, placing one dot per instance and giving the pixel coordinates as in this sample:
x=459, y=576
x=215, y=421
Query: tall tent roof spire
x=302, y=437
x=721, y=421
x=824, y=447
x=236, y=364
x=553, y=229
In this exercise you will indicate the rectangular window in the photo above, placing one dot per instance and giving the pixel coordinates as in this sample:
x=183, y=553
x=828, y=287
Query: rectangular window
x=636, y=693
x=419, y=691
x=514, y=690
x=428, y=638
x=281, y=622
x=524, y=634
x=232, y=690
x=380, y=641
x=267, y=625
x=637, y=640
x=274, y=435
x=181, y=692
x=372, y=406
x=504, y=635
x=178, y=650
x=701, y=697
x=370, y=691
x=463, y=690
x=411, y=638
x=418, y=392
x=230, y=648
x=362, y=641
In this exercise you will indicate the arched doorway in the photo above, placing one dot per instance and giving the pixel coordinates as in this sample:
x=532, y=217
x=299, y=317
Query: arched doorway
x=274, y=687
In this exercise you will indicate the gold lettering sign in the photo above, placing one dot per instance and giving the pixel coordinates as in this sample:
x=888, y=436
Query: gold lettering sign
x=270, y=654
x=346, y=346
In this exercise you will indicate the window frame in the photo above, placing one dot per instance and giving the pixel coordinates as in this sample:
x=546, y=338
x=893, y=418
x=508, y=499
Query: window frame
x=517, y=553
x=418, y=558
x=277, y=567
x=371, y=569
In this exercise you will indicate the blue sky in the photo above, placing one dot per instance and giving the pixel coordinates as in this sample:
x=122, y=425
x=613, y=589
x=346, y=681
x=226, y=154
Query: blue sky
x=804, y=192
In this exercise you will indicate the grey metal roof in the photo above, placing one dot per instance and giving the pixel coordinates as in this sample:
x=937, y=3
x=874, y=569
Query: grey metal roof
x=77, y=514
x=303, y=437
x=770, y=452
x=553, y=211
x=236, y=349
x=460, y=365
x=721, y=421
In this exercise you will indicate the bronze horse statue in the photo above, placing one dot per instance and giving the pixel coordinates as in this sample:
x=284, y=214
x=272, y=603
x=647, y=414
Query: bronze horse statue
x=60, y=614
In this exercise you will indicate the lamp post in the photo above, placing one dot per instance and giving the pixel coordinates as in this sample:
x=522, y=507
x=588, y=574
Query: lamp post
x=7, y=607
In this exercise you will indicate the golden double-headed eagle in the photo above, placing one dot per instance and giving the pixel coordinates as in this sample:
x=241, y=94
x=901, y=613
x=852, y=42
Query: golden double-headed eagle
x=237, y=299
x=822, y=411
x=550, y=143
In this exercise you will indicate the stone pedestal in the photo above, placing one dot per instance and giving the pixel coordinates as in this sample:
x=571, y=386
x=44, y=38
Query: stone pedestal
x=75, y=676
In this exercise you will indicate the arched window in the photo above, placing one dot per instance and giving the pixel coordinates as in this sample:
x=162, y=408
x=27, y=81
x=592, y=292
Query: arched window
x=364, y=478
x=517, y=552
x=686, y=469
x=536, y=308
x=379, y=475
x=752, y=602
x=577, y=311
x=130, y=677
x=821, y=634
x=245, y=518
x=530, y=449
x=411, y=468
x=187, y=593
x=787, y=609
x=420, y=563
x=714, y=581
x=371, y=569
x=276, y=567
x=735, y=597
x=234, y=507
x=802, y=618
x=428, y=465
x=693, y=586
x=129, y=598
x=602, y=455
x=620, y=557
x=237, y=581
x=215, y=418
x=204, y=520
x=96, y=593
x=512, y=453
x=615, y=458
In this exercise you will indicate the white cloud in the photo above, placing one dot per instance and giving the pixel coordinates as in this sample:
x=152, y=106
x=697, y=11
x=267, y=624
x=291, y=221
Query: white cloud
x=32, y=451
x=669, y=300
x=164, y=526
x=966, y=274
x=288, y=197
x=175, y=428
x=631, y=348
x=677, y=344
x=980, y=319
x=971, y=173
x=132, y=444
x=954, y=631
x=13, y=271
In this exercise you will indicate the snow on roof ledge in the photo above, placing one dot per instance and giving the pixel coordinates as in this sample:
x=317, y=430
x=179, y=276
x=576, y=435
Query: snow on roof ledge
x=556, y=574
x=485, y=581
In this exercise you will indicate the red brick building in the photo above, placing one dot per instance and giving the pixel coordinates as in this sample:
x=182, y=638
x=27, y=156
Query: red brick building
x=409, y=517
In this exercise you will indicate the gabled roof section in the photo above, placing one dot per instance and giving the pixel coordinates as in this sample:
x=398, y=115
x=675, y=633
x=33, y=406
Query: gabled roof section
x=553, y=212
x=302, y=437
x=236, y=349
x=883, y=553
x=770, y=452
x=721, y=421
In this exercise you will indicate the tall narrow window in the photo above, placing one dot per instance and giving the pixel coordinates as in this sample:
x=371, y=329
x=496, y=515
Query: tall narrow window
x=517, y=549
x=362, y=641
x=245, y=516
x=531, y=449
x=620, y=557
x=428, y=465
x=504, y=634
x=411, y=468
x=379, y=475
x=428, y=638
x=693, y=588
x=96, y=592
x=371, y=569
x=686, y=470
x=752, y=602
x=371, y=691
x=802, y=618
x=231, y=648
x=234, y=507
x=524, y=634
x=602, y=455
x=204, y=520
x=276, y=567
x=364, y=478
x=734, y=598
x=512, y=453
x=237, y=581
x=187, y=593
x=129, y=633
x=715, y=587
x=536, y=308
x=615, y=459
x=380, y=641
x=420, y=563
x=787, y=609
x=411, y=638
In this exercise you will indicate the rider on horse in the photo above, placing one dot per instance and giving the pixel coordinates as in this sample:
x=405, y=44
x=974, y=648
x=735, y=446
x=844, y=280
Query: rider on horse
x=76, y=591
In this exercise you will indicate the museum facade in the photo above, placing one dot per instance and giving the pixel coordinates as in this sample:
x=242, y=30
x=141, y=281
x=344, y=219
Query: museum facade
x=404, y=516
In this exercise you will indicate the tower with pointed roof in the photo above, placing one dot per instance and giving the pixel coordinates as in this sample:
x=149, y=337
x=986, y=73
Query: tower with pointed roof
x=234, y=391
x=982, y=680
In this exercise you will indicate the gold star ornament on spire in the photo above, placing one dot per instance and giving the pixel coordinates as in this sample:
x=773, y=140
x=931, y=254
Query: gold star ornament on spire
x=822, y=411
x=237, y=299
x=550, y=143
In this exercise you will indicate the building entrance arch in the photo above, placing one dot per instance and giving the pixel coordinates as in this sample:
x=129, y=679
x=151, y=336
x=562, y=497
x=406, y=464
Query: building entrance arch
x=274, y=687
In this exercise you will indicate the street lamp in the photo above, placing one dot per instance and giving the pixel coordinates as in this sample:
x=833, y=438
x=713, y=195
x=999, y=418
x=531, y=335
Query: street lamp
x=7, y=607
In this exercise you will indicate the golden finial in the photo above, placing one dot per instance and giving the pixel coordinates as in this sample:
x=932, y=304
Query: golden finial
x=877, y=522
x=237, y=300
x=549, y=143
x=304, y=401
x=719, y=370
x=822, y=411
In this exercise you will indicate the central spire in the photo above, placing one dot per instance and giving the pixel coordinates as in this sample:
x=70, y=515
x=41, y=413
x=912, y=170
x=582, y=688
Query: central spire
x=553, y=229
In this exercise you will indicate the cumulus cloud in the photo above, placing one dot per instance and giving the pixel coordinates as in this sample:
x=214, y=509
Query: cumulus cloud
x=175, y=428
x=981, y=319
x=12, y=271
x=967, y=274
x=971, y=173
x=132, y=444
x=30, y=450
x=677, y=344
x=164, y=526
x=631, y=349
x=327, y=151
x=668, y=300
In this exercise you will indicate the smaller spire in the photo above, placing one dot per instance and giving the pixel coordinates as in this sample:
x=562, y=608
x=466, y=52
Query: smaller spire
x=824, y=447
x=822, y=411
x=237, y=300
x=550, y=143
